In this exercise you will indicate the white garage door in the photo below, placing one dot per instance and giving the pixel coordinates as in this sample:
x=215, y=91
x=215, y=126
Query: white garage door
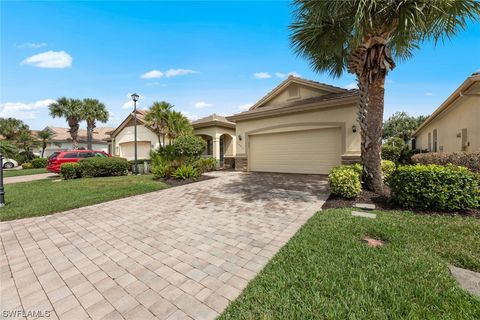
x=127, y=150
x=309, y=151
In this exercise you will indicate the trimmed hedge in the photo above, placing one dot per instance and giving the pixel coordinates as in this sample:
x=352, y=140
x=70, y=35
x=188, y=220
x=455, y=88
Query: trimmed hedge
x=345, y=181
x=388, y=167
x=103, y=167
x=435, y=187
x=69, y=170
x=471, y=160
x=39, y=162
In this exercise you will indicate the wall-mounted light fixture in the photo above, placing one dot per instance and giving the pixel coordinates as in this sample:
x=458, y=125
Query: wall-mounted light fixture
x=354, y=128
x=240, y=137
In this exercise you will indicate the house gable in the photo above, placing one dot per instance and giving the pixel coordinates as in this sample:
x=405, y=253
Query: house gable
x=295, y=88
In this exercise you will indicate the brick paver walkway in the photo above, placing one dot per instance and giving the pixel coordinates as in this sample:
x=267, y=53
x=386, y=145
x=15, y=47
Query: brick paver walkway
x=30, y=177
x=179, y=253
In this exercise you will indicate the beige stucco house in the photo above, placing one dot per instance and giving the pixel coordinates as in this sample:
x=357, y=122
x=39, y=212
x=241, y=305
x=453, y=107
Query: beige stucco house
x=62, y=140
x=301, y=126
x=455, y=125
x=219, y=133
x=122, y=138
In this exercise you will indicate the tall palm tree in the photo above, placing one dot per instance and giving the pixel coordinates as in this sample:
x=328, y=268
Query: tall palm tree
x=157, y=117
x=71, y=110
x=177, y=125
x=365, y=37
x=92, y=111
x=45, y=137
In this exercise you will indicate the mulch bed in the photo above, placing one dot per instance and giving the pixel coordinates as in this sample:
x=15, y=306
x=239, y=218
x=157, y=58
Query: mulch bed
x=383, y=203
x=175, y=183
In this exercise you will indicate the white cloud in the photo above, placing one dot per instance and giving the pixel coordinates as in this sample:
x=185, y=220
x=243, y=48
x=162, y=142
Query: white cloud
x=428, y=94
x=50, y=59
x=129, y=103
x=294, y=74
x=351, y=85
x=190, y=116
x=245, y=107
x=31, y=45
x=22, y=110
x=202, y=104
x=178, y=72
x=156, y=74
x=152, y=74
x=262, y=75
x=280, y=75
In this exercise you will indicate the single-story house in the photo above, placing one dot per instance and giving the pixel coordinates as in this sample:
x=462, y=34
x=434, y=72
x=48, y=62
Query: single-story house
x=62, y=140
x=219, y=133
x=122, y=139
x=455, y=125
x=301, y=126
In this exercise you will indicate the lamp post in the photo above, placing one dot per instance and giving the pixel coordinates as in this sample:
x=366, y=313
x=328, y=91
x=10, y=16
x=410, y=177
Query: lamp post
x=135, y=99
x=2, y=190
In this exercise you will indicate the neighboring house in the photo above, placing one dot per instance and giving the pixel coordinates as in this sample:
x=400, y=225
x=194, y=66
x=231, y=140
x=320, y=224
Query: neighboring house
x=301, y=126
x=122, y=139
x=62, y=141
x=455, y=125
x=219, y=133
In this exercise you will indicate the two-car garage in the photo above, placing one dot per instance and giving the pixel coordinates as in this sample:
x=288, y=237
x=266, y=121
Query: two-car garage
x=313, y=151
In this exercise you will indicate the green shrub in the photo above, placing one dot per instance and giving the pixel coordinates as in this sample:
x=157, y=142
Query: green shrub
x=345, y=181
x=471, y=160
x=69, y=170
x=186, y=172
x=205, y=164
x=39, y=162
x=27, y=165
x=161, y=168
x=186, y=149
x=435, y=187
x=103, y=167
x=388, y=167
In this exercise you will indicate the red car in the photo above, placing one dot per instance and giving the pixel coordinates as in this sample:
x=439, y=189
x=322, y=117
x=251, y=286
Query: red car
x=58, y=158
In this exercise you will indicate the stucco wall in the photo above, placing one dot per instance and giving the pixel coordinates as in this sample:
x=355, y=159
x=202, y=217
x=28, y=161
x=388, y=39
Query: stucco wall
x=127, y=135
x=345, y=117
x=305, y=92
x=463, y=113
x=215, y=132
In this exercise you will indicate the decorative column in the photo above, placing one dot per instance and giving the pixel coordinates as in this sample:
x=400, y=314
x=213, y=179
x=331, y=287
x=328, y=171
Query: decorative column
x=216, y=150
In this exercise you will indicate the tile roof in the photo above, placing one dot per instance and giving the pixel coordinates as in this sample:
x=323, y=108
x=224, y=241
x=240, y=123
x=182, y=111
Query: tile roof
x=100, y=134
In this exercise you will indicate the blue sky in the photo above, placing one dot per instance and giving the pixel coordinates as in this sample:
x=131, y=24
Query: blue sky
x=206, y=57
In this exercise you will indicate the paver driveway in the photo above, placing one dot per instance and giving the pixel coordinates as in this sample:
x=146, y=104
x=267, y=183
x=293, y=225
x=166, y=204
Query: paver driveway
x=180, y=253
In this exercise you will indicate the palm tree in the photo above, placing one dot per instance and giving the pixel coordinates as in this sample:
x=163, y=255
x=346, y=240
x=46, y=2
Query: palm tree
x=26, y=141
x=71, y=110
x=45, y=137
x=177, y=125
x=10, y=127
x=365, y=37
x=157, y=118
x=8, y=149
x=92, y=111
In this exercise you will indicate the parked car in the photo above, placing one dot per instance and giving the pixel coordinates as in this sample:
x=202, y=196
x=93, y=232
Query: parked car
x=9, y=163
x=56, y=159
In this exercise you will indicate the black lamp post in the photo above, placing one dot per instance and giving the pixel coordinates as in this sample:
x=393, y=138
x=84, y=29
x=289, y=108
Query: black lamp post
x=135, y=99
x=2, y=190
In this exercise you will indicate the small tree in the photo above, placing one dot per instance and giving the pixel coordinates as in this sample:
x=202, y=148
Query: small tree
x=71, y=110
x=401, y=125
x=92, y=111
x=8, y=149
x=157, y=118
x=10, y=127
x=45, y=137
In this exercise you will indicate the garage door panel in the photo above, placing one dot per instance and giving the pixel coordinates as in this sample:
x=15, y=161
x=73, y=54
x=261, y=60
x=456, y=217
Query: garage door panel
x=310, y=151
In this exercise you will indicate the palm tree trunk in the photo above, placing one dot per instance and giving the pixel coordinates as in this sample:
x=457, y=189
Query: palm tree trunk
x=44, y=146
x=90, y=127
x=74, y=126
x=372, y=137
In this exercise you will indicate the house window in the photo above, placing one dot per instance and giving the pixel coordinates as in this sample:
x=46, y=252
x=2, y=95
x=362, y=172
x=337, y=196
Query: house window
x=429, y=141
x=435, y=140
x=293, y=92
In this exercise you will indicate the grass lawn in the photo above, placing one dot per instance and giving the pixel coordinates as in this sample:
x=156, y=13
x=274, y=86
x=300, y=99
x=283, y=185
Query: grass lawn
x=327, y=272
x=23, y=172
x=42, y=197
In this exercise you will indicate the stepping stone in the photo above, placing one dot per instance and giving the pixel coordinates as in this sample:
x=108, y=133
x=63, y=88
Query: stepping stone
x=364, y=214
x=467, y=279
x=365, y=206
